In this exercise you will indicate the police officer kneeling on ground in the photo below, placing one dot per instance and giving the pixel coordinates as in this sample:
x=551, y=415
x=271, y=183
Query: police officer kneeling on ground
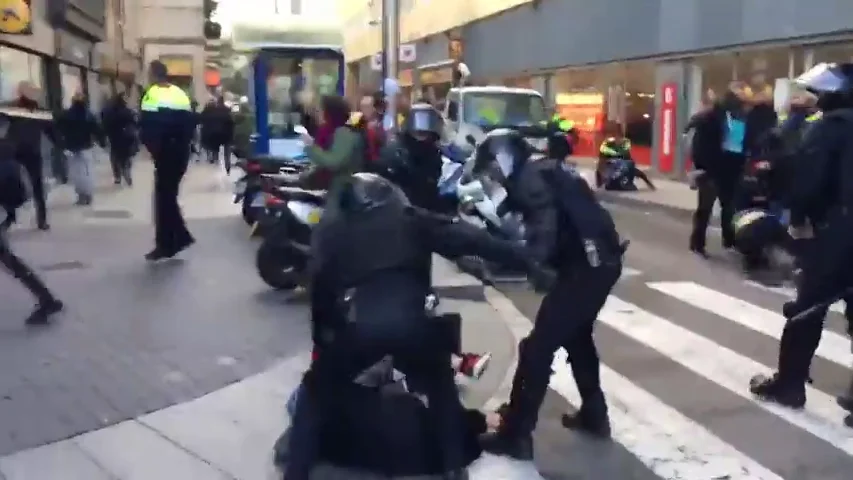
x=568, y=230
x=822, y=192
x=372, y=251
x=167, y=127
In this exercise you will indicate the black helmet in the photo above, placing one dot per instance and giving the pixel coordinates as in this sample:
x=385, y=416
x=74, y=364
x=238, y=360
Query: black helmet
x=832, y=83
x=424, y=118
x=501, y=153
x=559, y=145
x=367, y=191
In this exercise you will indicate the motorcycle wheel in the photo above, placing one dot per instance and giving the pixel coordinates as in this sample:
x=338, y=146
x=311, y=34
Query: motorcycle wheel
x=280, y=266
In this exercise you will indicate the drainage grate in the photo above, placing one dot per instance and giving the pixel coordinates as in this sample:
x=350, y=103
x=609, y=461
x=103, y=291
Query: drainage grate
x=109, y=214
x=62, y=266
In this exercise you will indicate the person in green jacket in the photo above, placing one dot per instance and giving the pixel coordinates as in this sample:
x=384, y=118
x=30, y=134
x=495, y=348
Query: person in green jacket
x=336, y=152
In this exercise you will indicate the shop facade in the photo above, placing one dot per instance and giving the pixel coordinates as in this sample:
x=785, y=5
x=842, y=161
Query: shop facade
x=649, y=80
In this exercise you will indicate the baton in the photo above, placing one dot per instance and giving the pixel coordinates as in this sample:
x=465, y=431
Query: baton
x=825, y=304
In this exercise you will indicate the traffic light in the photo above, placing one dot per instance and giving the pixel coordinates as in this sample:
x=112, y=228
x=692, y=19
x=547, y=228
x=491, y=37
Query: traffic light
x=212, y=30
x=210, y=8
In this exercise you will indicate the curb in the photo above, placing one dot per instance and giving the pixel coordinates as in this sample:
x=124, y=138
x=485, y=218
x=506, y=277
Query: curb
x=677, y=213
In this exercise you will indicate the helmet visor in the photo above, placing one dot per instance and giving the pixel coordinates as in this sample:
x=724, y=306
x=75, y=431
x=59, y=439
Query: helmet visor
x=822, y=78
x=425, y=120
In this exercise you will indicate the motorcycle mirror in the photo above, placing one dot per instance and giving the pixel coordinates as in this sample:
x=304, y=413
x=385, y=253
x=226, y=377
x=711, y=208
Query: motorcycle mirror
x=471, y=140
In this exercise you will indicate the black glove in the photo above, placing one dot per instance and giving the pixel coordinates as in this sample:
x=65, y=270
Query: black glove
x=541, y=278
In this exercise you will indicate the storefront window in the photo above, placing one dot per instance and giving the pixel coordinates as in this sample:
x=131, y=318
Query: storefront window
x=71, y=79
x=718, y=71
x=838, y=53
x=638, y=110
x=493, y=109
x=17, y=66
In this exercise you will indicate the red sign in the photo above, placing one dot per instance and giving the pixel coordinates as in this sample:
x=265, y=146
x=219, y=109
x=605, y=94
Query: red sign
x=668, y=134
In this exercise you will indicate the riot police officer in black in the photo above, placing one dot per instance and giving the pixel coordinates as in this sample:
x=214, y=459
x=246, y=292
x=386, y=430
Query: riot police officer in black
x=373, y=252
x=568, y=230
x=412, y=160
x=822, y=191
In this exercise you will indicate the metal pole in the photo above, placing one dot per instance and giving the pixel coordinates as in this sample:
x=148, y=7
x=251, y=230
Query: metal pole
x=383, y=26
x=391, y=23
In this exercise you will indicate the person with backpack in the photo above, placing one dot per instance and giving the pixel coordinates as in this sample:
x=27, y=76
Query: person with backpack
x=13, y=194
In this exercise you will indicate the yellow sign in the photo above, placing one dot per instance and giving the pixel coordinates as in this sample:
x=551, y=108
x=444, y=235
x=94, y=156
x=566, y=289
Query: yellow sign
x=15, y=17
x=178, y=66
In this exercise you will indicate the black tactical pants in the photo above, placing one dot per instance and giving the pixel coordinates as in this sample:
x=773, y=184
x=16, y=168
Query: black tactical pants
x=821, y=280
x=710, y=190
x=565, y=319
x=171, y=233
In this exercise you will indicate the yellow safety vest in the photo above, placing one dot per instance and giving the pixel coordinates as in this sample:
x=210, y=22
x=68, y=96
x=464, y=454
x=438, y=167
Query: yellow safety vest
x=170, y=97
x=614, y=147
x=563, y=124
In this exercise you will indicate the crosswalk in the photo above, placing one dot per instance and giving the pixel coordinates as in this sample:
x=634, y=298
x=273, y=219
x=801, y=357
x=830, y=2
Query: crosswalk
x=677, y=357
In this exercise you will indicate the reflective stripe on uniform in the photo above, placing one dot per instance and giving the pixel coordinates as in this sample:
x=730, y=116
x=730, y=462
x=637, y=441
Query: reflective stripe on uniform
x=170, y=97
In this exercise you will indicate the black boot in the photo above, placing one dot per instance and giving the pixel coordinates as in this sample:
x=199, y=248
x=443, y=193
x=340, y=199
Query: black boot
x=519, y=447
x=47, y=303
x=845, y=400
x=772, y=389
x=589, y=424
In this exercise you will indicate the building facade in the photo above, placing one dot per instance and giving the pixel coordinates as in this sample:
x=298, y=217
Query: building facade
x=66, y=46
x=172, y=31
x=647, y=65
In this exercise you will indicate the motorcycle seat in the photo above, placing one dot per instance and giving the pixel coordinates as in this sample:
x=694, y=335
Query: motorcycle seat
x=302, y=195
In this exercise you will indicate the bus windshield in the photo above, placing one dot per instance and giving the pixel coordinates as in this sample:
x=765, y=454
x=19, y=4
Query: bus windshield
x=502, y=109
x=295, y=83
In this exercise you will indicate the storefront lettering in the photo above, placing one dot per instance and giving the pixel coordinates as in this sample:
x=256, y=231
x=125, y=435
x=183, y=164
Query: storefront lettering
x=669, y=103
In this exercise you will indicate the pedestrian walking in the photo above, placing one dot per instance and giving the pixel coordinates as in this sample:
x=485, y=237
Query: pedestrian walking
x=27, y=128
x=78, y=131
x=217, y=132
x=13, y=194
x=166, y=130
x=121, y=130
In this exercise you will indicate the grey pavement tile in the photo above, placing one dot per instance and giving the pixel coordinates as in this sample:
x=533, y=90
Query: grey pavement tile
x=62, y=460
x=132, y=451
x=234, y=428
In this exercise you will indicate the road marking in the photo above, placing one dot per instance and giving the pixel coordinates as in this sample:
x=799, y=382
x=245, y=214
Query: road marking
x=832, y=347
x=728, y=369
x=670, y=444
x=790, y=294
x=630, y=272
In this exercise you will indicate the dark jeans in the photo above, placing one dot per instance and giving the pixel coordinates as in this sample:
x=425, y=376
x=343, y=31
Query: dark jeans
x=213, y=154
x=35, y=171
x=565, y=319
x=20, y=270
x=709, y=191
x=171, y=229
x=120, y=162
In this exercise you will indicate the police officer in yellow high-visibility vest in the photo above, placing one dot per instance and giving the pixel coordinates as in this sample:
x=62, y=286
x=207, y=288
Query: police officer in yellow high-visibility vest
x=166, y=126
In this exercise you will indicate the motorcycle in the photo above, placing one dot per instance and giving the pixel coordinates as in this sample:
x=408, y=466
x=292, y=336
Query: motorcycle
x=283, y=255
x=247, y=189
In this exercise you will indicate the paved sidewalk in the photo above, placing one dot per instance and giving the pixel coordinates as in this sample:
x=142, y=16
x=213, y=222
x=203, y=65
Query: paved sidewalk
x=672, y=197
x=229, y=433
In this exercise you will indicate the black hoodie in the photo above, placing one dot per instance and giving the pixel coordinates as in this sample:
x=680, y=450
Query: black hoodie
x=78, y=128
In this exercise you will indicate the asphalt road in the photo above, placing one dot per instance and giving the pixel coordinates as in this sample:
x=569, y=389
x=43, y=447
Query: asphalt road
x=679, y=340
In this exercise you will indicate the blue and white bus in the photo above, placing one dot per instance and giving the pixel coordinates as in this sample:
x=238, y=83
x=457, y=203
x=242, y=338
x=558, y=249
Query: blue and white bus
x=289, y=65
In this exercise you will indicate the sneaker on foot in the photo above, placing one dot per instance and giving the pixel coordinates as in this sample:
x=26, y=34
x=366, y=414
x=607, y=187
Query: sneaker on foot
x=473, y=365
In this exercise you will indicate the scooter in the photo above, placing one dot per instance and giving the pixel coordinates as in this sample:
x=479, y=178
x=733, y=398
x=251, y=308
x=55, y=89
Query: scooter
x=283, y=255
x=247, y=189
